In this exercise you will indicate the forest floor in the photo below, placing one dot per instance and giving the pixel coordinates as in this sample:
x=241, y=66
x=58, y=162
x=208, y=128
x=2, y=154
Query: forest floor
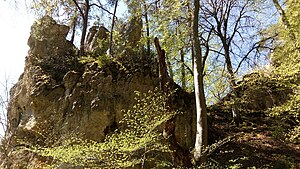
x=255, y=144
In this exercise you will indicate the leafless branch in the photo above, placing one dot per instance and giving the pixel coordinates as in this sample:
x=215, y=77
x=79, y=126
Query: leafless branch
x=79, y=8
x=101, y=7
x=237, y=22
x=3, y=105
x=255, y=46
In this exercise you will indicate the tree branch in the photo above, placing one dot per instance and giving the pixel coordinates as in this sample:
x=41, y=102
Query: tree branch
x=187, y=67
x=78, y=7
x=104, y=9
x=237, y=23
x=254, y=46
x=206, y=49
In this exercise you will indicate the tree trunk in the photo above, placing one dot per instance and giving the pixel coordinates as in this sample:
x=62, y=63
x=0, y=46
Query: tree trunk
x=74, y=23
x=235, y=104
x=201, y=134
x=170, y=68
x=180, y=155
x=161, y=65
x=232, y=81
x=284, y=19
x=112, y=28
x=84, y=26
x=282, y=14
x=147, y=30
x=183, y=81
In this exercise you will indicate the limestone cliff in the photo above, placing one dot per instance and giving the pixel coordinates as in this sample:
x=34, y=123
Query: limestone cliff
x=56, y=97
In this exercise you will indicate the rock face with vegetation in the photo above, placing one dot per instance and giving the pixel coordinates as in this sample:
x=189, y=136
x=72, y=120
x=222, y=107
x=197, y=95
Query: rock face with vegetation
x=97, y=40
x=57, y=98
x=68, y=109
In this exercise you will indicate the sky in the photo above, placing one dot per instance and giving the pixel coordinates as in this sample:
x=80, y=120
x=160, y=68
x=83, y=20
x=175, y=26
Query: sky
x=14, y=32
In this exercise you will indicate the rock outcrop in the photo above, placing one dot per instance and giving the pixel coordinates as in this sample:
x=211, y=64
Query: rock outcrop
x=97, y=40
x=56, y=98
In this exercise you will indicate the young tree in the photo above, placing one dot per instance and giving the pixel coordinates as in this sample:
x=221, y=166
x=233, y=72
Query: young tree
x=199, y=62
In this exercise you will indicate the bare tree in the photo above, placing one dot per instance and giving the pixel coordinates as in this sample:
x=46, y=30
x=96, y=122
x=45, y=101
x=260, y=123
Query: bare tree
x=3, y=106
x=232, y=22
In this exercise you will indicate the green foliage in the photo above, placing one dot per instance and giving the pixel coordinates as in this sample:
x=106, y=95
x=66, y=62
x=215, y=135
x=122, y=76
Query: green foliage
x=289, y=112
x=99, y=60
x=286, y=71
x=294, y=134
x=137, y=144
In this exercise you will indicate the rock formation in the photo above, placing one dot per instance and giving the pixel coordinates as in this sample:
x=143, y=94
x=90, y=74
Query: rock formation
x=97, y=40
x=55, y=98
x=133, y=31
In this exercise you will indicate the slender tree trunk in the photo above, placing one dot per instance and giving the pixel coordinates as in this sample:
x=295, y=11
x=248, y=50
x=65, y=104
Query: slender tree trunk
x=235, y=106
x=282, y=14
x=170, y=68
x=85, y=18
x=162, y=67
x=147, y=30
x=84, y=14
x=190, y=23
x=222, y=24
x=74, y=23
x=112, y=29
x=183, y=81
x=201, y=134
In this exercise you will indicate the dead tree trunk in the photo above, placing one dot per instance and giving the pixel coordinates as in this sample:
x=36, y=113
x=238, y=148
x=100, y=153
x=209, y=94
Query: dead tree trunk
x=112, y=28
x=162, y=66
x=181, y=156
